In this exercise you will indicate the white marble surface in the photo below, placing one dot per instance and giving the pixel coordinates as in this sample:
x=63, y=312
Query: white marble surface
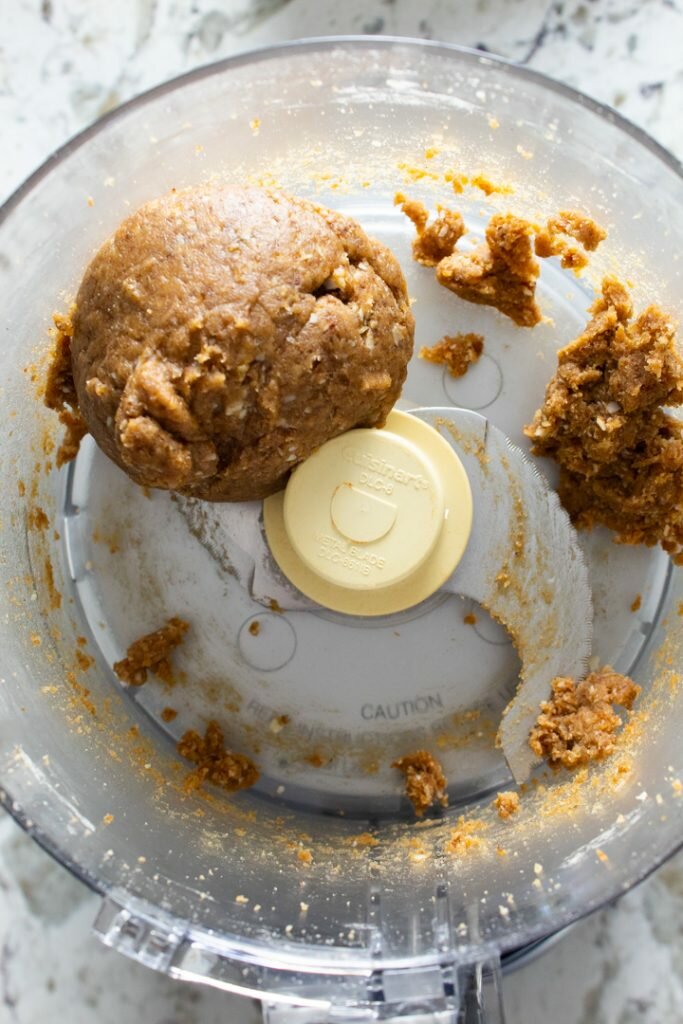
x=62, y=64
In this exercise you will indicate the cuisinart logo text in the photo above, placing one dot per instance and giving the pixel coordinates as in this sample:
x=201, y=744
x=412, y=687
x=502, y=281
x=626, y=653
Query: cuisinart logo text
x=364, y=460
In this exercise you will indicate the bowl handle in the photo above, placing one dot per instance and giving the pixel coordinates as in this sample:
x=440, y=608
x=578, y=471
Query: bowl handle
x=471, y=995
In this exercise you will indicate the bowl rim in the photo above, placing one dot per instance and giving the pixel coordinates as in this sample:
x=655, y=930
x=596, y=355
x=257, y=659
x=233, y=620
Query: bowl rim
x=274, y=50
x=302, y=958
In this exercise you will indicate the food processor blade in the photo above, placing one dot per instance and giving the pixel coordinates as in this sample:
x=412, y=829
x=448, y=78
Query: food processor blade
x=523, y=564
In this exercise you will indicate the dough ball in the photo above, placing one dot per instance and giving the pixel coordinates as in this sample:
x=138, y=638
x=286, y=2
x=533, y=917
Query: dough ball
x=225, y=333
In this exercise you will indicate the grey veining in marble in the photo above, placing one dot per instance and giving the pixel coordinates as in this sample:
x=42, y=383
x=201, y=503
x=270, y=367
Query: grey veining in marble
x=63, y=63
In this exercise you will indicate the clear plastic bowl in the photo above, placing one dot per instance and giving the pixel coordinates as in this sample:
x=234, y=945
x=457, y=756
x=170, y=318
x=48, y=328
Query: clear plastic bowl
x=272, y=892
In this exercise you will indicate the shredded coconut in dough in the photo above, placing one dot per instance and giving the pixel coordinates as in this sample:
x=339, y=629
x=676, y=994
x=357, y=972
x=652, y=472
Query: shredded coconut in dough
x=578, y=724
x=501, y=272
x=425, y=781
x=603, y=421
x=457, y=352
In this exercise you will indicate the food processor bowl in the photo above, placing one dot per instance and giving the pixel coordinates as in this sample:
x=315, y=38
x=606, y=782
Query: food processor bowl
x=317, y=890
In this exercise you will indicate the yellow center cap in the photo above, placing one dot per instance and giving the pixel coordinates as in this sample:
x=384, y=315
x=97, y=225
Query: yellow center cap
x=375, y=521
x=365, y=510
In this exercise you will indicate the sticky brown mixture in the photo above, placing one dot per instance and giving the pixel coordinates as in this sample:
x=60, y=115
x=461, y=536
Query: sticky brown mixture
x=214, y=763
x=578, y=724
x=501, y=272
x=435, y=240
x=506, y=803
x=224, y=333
x=151, y=653
x=425, y=782
x=60, y=393
x=603, y=421
x=457, y=352
x=552, y=239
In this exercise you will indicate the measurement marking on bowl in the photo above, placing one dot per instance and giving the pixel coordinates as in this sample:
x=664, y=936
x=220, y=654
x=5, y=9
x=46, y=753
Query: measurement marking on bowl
x=267, y=642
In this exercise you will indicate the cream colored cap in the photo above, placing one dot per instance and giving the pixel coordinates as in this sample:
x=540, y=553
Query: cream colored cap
x=375, y=521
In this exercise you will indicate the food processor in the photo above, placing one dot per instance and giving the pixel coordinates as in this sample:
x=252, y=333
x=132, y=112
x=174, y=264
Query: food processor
x=318, y=891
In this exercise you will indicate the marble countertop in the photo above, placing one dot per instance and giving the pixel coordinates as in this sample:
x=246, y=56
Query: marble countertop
x=63, y=63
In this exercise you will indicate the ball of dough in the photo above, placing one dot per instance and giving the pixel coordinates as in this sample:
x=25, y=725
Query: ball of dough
x=225, y=333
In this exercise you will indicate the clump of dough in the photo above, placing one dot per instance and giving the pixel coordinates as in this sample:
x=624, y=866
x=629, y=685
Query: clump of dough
x=552, y=239
x=224, y=333
x=506, y=803
x=425, y=782
x=457, y=352
x=60, y=393
x=578, y=724
x=603, y=421
x=501, y=272
x=436, y=240
x=214, y=763
x=151, y=653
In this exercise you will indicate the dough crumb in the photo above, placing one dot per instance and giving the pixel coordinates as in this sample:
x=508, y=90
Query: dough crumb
x=552, y=239
x=636, y=603
x=37, y=519
x=255, y=627
x=578, y=724
x=470, y=619
x=488, y=187
x=363, y=839
x=603, y=421
x=278, y=723
x=435, y=240
x=501, y=272
x=425, y=782
x=506, y=803
x=214, y=763
x=457, y=352
x=316, y=759
x=151, y=652
x=60, y=391
x=465, y=837
x=169, y=714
